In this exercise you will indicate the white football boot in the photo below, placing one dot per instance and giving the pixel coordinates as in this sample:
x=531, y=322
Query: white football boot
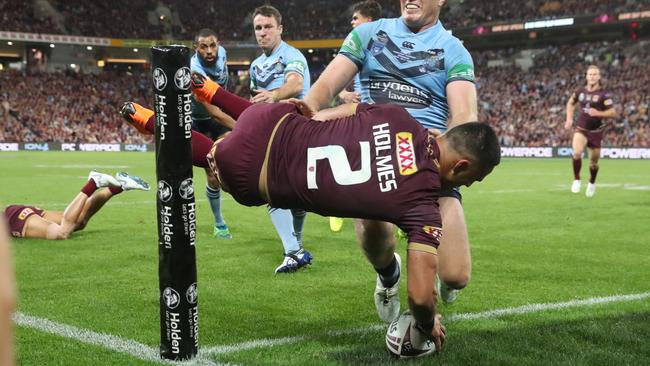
x=387, y=298
x=103, y=180
x=130, y=182
x=575, y=187
x=591, y=190
x=446, y=293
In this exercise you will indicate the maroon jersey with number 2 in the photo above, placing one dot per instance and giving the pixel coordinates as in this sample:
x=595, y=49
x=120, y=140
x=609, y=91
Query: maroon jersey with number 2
x=378, y=164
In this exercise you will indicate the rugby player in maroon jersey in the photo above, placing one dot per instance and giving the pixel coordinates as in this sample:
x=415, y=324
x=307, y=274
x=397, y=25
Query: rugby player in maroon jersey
x=33, y=222
x=355, y=160
x=595, y=104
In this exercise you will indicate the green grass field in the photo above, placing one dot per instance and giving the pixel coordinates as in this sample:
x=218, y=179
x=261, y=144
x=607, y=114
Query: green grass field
x=533, y=242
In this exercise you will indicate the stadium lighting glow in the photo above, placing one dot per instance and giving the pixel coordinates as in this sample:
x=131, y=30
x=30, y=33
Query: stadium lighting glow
x=135, y=50
x=10, y=43
x=549, y=23
x=89, y=48
x=311, y=50
x=51, y=45
x=73, y=65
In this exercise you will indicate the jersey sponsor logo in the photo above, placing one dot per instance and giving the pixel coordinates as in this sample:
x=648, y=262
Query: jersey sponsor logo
x=159, y=79
x=383, y=158
x=24, y=213
x=400, y=93
x=296, y=66
x=182, y=78
x=405, y=153
x=171, y=298
x=595, y=98
x=608, y=102
x=352, y=45
x=433, y=231
x=581, y=97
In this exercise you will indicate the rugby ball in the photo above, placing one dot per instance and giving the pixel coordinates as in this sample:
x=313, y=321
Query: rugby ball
x=404, y=340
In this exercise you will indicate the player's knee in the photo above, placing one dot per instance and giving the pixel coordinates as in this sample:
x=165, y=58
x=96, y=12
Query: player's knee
x=593, y=165
x=457, y=279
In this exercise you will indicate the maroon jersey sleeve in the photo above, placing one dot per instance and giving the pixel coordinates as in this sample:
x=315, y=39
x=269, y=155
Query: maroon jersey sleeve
x=423, y=226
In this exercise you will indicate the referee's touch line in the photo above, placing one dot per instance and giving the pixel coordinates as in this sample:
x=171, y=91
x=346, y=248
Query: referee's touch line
x=114, y=343
x=525, y=309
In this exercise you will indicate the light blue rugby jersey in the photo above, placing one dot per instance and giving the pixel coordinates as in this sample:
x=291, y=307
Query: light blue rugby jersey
x=408, y=69
x=217, y=72
x=268, y=72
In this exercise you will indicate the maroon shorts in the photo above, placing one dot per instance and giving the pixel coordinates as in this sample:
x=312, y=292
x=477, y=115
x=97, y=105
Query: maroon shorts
x=17, y=215
x=594, y=138
x=240, y=155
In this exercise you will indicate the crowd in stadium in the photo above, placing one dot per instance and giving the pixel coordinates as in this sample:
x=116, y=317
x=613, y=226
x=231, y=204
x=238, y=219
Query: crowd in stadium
x=527, y=107
x=314, y=19
x=68, y=107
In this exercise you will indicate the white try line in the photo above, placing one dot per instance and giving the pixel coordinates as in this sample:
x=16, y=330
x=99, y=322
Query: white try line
x=525, y=309
x=147, y=353
x=111, y=342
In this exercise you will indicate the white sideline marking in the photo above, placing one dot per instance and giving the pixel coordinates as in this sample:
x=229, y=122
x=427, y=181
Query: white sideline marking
x=114, y=343
x=525, y=309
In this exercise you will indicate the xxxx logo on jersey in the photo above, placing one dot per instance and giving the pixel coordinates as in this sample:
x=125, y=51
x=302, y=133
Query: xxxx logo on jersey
x=406, y=153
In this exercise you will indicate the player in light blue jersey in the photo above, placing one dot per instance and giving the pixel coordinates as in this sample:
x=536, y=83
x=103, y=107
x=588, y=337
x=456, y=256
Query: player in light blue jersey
x=414, y=62
x=210, y=60
x=281, y=72
x=362, y=12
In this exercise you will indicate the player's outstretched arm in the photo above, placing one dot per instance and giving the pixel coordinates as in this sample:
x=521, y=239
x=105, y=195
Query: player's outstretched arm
x=219, y=116
x=461, y=97
x=343, y=110
x=422, y=295
x=336, y=76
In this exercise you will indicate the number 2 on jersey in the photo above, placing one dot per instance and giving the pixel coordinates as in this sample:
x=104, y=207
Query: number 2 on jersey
x=339, y=163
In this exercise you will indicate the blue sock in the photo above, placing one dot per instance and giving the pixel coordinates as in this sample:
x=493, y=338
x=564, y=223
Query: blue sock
x=214, y=197
x=283, y=222
x=298, y=222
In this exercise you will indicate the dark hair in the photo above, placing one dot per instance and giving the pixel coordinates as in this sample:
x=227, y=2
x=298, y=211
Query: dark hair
x=268, y=11
x=477, y=141
x=205, y=32
x=368, y=8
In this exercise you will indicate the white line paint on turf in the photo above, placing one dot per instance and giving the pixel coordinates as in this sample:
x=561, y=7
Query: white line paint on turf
x=525, y=309
x=114, y=343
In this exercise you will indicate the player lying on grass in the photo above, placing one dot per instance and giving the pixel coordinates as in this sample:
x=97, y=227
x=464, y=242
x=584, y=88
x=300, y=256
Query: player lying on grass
x=33, y=222
x=365, y=161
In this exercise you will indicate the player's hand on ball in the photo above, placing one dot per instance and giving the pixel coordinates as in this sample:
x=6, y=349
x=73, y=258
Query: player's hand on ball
x=438, y=333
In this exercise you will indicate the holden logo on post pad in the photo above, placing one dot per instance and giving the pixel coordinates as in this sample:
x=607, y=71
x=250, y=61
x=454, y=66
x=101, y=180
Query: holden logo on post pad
x=191, y=294
x=186, y=189
x=183, y=78
x=170, y=297
x=159, y=79
x=164, y=191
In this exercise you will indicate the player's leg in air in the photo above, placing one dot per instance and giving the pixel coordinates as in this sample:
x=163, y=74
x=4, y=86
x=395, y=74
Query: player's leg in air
x=578, y=145
x=288, y=223
x=594, y=156
x=32, y=222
